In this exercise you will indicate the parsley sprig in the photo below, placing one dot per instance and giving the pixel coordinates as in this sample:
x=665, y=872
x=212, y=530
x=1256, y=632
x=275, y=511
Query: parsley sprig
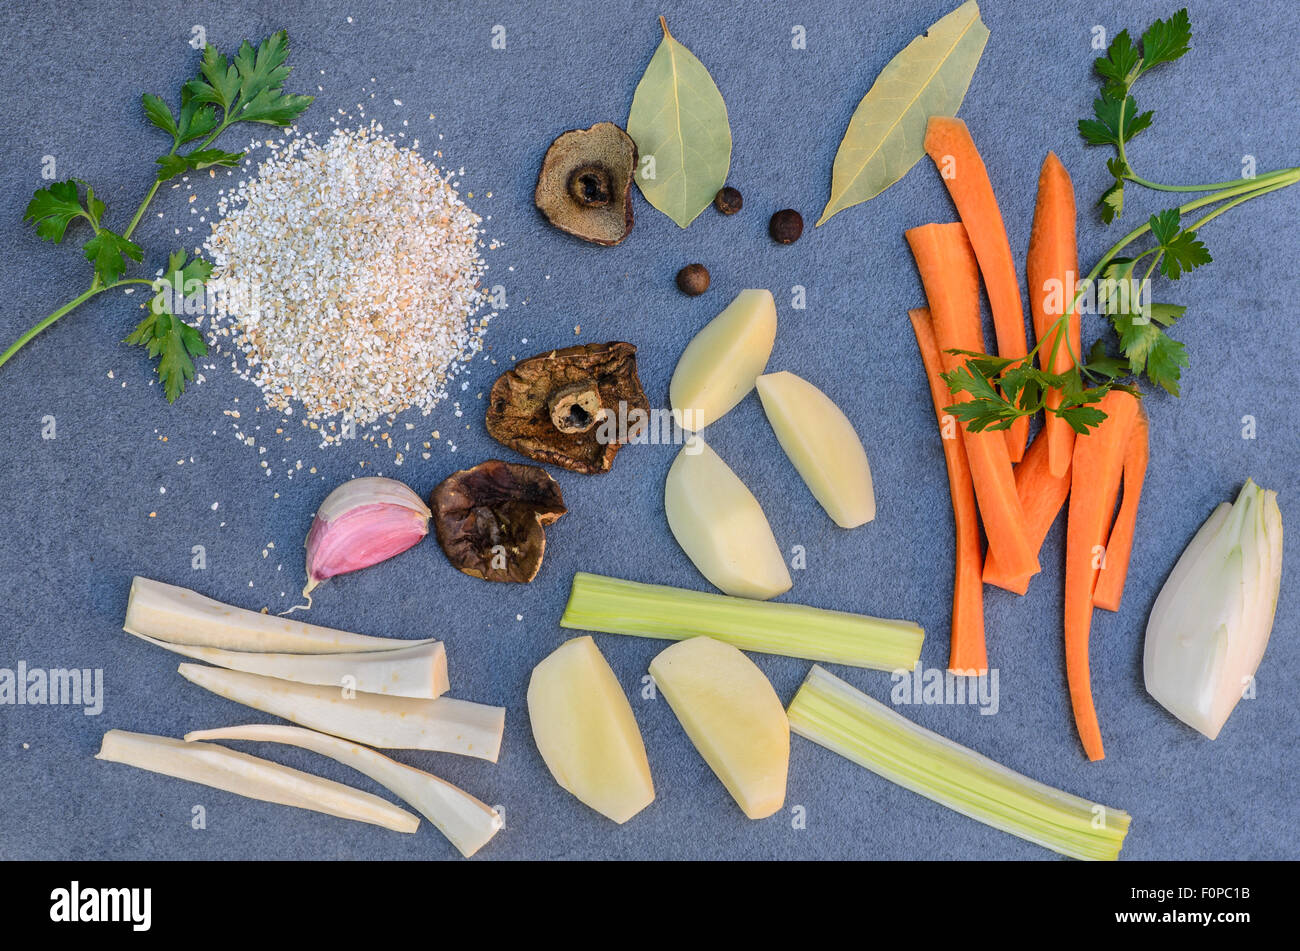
x=1118, y=286
x=248, y=89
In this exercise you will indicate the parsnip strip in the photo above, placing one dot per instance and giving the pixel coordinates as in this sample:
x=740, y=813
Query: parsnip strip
x=419, y=672
x=467, y=823
x=181, y=616
x=251, y=777
x=447, y=725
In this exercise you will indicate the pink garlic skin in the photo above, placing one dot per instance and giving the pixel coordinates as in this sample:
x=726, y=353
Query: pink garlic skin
x=349, y=533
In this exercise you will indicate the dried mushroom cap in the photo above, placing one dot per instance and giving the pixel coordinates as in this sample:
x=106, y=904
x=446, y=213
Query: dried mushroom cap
x=585, y=183
x=574, y=407
x=489, y=519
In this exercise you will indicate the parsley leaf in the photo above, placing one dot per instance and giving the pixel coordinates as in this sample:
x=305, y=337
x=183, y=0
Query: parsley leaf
x=195, y=120
x=167, y=337
x=1166, y=314
x=1150, y=350
x=107, y=250
x=250, y=89
x=1164, y=225
x=969, y=379
x=982, y=414
x=1081, y=418
x=1166, y=40
x=1102, y=364
x=1164, y=362
x=1023, y=386
x=160, y=114
x=1180, y=250
x=1183, y=253
x=52, y=209
x=169, y=166
x=1109, y=128
x=217, y=82
x=1119, y=67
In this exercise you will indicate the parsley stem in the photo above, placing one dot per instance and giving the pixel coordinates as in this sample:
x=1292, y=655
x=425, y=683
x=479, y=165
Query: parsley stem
x=1238, y=200
x=1212, y=186
x=139, y=212
x=69, y=307
x=33, y=331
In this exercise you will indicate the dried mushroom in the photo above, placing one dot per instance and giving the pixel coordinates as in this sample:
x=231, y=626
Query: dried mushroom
x=490, y=519
x=574, y=407
x=585, y=183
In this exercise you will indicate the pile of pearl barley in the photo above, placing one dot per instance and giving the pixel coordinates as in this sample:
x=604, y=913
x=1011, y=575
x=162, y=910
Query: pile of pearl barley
x=348, y=278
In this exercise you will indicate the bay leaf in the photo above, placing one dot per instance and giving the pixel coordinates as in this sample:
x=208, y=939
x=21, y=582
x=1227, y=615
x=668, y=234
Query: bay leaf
x=679, y=124
x=886, y=135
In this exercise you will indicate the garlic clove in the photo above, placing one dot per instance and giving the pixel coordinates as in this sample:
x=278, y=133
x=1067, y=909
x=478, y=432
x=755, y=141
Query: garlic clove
x=361, y=523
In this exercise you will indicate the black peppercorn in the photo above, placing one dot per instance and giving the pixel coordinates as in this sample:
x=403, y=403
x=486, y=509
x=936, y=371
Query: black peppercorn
x=728, y=200
x=693, y=279
x=786, y=226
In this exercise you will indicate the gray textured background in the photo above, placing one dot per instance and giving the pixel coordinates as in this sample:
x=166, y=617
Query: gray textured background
x=75, y=522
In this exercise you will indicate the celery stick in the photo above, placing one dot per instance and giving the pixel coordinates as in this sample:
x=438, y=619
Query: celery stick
x=614, y=606
x=833, y=714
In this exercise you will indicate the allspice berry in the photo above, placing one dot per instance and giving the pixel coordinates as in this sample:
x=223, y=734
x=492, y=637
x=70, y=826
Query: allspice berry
x=693, y=279
x=786, y=226
x=728, y=200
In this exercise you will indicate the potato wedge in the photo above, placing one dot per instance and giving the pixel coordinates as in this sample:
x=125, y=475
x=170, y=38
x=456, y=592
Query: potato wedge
x=822, y=444
x=721, y=526
x=732, y=715
x=584, y=729
x=720, y=364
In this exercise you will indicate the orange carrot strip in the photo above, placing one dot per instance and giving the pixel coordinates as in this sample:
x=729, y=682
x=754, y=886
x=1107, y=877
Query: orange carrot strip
x=1094, y=486
x=1041, y=497
x=967, y=651
x=1119, y=546
x=1051, y=268
x=951, y=278
x=948, y=142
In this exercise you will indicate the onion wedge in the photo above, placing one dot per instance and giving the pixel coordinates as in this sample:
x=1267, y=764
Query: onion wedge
x=181, y=616
x=252, y=777
x=419, y=671
x=1211, y=622
x=446, y=725
x=467, y=823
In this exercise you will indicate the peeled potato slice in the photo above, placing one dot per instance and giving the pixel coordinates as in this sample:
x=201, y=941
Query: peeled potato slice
x=721, y=526
x=732, y=715
x=586, y=733
x=718, y=367
x=822, y=444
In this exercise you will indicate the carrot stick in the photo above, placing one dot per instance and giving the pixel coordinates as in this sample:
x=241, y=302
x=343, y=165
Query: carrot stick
x=967, y=651
x=1119, y=546
x=1051, y=268
x=1041, y=497
x=1094, y=485
x=951, y=278
x=948, y=142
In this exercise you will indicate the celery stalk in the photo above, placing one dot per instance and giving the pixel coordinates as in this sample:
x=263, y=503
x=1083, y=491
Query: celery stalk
x=614, y=606
x=833, y=714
